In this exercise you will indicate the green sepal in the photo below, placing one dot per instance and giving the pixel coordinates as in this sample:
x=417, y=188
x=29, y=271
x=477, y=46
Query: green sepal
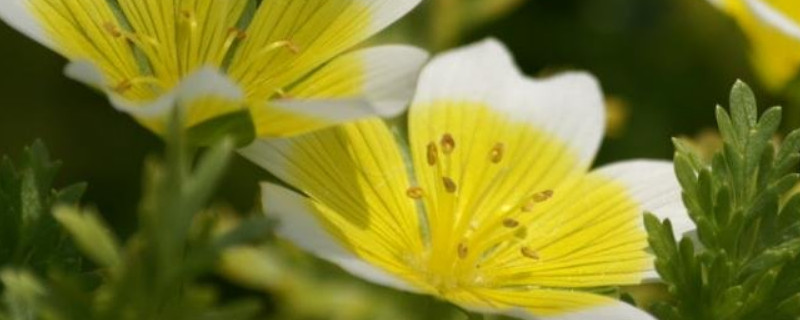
x=237, y=125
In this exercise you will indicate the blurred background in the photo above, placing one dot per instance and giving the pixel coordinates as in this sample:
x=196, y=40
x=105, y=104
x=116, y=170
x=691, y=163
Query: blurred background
x=664, y=65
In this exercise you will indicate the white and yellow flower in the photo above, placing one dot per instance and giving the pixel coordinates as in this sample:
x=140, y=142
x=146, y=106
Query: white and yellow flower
x=496, y=211
x=280, y=60
x=773, y=28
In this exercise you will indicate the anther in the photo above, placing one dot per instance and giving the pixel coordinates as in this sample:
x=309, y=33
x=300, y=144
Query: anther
x=280, y=44
x=449, y=185
x=496, y=155
x=448, y=143
x=282, y=93
x=463, y=251
x=510, y=223
x=414, y=193
x=189, y=17
x=123, y=86
x=529, y=206
x=543, y=196
x=237, y=33
x=433, y=154
x=529, y=253
x=112, y=29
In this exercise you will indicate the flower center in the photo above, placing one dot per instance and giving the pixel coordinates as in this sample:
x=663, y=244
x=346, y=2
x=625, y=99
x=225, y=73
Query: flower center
x=456, y=255
x=197, y=42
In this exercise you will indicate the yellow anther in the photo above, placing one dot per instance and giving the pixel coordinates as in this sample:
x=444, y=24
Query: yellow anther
x=287, y=44
x=448, y=143
x=463, y=251
x=123, y=86
x=415, y=193
x=543, y=196
x=237, y=33
x=496, y=155
x=282, y=93
x=189, y=17
x=433, y=154
x=234, y=34
x=510, y=223
x=527, y=252
x=449, y=185
x=112, y=29
x=128, y=84
x=529, y=206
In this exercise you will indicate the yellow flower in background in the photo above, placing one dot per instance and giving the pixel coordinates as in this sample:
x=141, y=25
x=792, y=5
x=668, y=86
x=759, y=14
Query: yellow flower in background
x=280, y=61
x=497, y=210
x=773, y=28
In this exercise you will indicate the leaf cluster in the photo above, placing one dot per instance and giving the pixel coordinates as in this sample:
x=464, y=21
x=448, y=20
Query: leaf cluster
x=742, y=261
x=158, y=273
x=29, y=236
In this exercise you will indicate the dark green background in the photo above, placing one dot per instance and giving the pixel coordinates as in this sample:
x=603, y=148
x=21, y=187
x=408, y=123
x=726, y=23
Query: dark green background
x=671, y=60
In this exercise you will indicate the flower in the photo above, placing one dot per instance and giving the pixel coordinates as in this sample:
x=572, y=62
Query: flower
x=280, y=62
x=773, y=28
x=497, y=211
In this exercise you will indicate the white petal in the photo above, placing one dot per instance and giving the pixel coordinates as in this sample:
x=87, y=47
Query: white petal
x=617, y=311
x=384, y=83
x=386, y=12
x=654, y=185
x=331, y=111
x=392, y=74
x=18, y=15
x=205, y=82
x=298, y=224
x=86, y=72
x=774, y=18
x=569, y=106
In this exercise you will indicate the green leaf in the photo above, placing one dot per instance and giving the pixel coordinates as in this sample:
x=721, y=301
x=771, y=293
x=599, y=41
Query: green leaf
x=743, y=108
x=30, y=236
x=747, y=219
x=91, y=235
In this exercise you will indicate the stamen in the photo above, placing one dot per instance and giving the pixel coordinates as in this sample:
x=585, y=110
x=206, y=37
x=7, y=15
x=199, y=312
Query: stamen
x=510, y=223
x=536, y=199
x=234, y=34
x=543, y=196
x=432, y=154
x=415, y=193
x=238, y=33
x=463, y=251
x=123, y=86
x=448, y=144
x=282, y=93
x=529, y=206
x=188, y=17
x=128, y=84
x=112, y=29
x=288, y=44
x=496, y=155
x=449, y=185
x=529, y=253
